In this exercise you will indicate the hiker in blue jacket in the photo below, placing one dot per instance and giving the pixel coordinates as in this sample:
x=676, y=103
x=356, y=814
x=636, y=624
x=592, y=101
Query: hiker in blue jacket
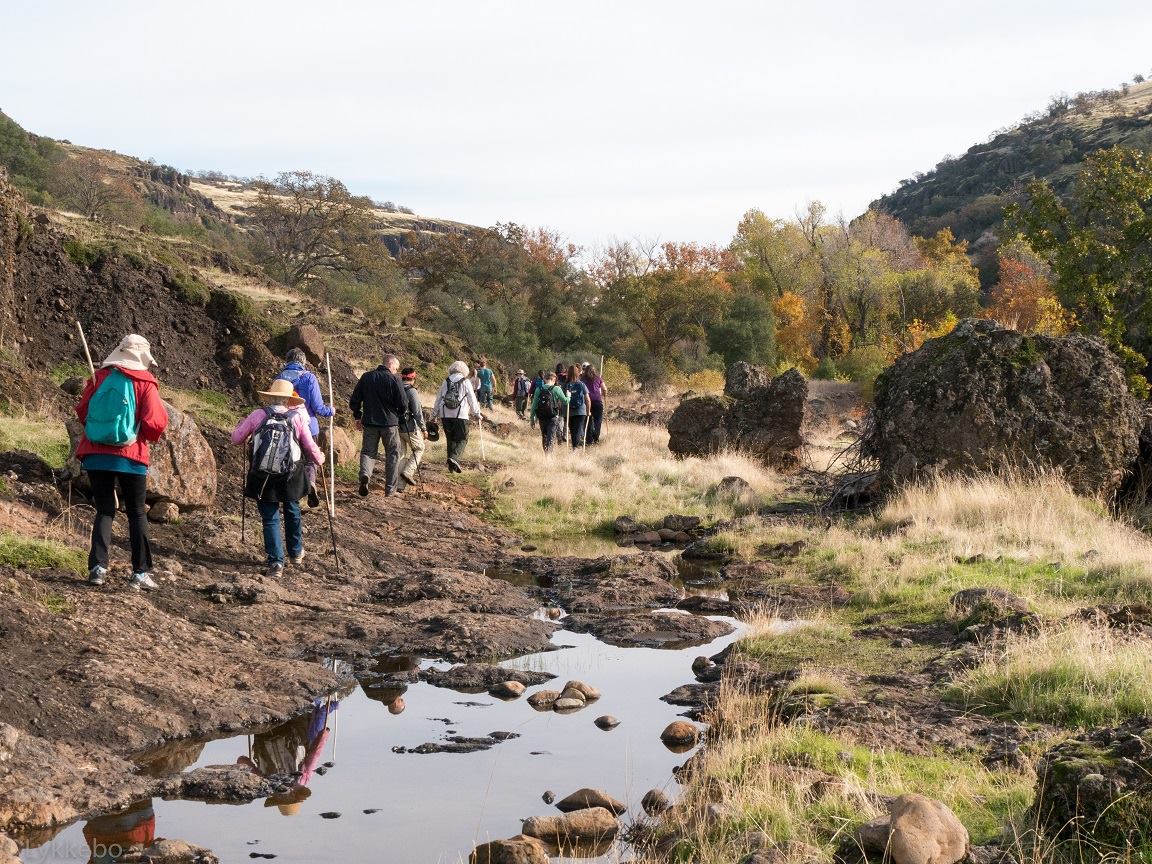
x=308, y=389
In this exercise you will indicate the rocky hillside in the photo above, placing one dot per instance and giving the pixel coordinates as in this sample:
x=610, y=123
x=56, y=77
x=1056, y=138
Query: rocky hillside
x=968, y=193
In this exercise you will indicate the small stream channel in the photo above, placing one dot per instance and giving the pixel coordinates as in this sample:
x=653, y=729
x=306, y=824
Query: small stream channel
x=416, y=808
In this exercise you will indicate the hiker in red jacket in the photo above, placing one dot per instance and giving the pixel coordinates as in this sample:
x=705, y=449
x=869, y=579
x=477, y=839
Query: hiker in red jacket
x=119, y=454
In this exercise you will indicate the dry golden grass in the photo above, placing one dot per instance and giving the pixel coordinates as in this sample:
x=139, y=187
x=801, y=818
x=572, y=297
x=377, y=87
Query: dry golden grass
x=571, y=493
x=250, y=286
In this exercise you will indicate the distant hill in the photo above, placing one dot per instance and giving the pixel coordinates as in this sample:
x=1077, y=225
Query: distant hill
x=177, y=202
x=968, y=193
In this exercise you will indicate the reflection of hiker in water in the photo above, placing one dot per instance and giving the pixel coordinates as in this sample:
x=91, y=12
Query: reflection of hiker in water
x=108, y=837
x=293, y=748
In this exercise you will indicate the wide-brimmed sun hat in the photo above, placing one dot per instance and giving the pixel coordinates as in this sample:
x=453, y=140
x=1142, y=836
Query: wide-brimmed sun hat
x=133, y=352
x=282, y=389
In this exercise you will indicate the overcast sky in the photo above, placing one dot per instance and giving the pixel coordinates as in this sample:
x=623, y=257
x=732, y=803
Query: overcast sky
x=599, y=119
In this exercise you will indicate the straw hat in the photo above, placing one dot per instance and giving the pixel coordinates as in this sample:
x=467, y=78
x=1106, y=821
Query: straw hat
x=134, y=353
x=282, y=389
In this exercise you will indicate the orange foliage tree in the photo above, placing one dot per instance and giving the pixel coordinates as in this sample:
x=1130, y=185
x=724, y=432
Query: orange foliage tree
x=1023, y=299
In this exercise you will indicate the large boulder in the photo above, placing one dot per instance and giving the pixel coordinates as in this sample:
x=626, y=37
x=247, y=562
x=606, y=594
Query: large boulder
x=925, y=831
x=182, y=466
x=308, y=339
x=986, y=399
x=758, y=415
x=1097, y=787
x=515, y=850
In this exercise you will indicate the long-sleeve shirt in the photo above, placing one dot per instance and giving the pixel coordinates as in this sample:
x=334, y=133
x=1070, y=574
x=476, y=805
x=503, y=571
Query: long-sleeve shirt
x=415, y=409
x=255, y=420
x=469, y=404
x=308, y=389
x=150, y=414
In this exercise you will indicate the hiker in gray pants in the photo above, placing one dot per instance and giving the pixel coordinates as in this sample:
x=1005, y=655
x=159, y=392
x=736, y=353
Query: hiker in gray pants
x=378, y=402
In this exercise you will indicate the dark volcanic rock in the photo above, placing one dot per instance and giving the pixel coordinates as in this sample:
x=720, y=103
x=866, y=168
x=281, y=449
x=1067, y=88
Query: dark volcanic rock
x=223, y=784
x=609, y=584
x=984, y=399
x=475, y=591
x=480, y=677
x=756, y=414
x=1097, y=787
x=662, y=629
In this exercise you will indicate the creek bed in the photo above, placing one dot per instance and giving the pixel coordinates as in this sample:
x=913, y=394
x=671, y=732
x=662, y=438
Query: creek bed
x=436, y=807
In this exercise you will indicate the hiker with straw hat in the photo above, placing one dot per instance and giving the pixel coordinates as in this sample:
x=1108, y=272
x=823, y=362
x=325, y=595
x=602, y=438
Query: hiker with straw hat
x=122, y=413
x=280, y=441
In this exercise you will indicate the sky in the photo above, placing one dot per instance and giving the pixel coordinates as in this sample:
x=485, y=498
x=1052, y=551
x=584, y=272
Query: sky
x=601, y=120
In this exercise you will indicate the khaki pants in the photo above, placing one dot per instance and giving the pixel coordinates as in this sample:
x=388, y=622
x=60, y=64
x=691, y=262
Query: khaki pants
x=413, y=444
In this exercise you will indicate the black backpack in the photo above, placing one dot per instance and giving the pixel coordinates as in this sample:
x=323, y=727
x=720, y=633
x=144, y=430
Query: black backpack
x=452, y=398
x=546, y=407
x=275, y=451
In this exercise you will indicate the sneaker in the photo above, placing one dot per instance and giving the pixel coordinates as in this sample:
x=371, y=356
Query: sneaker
x=96, y=575
x=297, y=559
x=142, y=582
x=313, y=497
x=363, y=490
x=274, y=571
x=454, y=467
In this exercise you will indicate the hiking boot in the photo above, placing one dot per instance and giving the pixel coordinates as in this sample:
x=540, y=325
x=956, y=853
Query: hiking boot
x=142, y=582
x=363, y=490
x=297, y=559
x=313, y=497
x=274, y=571
x=454, y=467
x=96, y=575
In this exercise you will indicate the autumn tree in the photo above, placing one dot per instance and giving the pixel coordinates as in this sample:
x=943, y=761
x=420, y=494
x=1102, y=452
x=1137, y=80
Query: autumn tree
x=83, y=183
x=1023, y=299
x=1098, y=243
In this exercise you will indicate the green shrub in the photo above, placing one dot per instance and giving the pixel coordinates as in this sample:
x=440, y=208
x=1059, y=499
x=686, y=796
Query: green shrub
x=189, y=289
x=827, y=370
x=83, y=254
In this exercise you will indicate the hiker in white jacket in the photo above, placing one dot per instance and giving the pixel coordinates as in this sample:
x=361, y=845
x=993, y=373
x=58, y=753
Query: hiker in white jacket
x=456, y=405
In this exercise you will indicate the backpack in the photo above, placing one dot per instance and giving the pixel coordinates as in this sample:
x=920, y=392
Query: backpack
x=275, y=450
x=409, y=422
x=112, y=412
x=452, y=398
x=521, y=386
x=546, y=407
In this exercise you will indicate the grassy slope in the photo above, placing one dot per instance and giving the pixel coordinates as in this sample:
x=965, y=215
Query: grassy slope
x=902, y=566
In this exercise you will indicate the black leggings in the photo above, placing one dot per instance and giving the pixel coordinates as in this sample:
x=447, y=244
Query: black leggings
x=132, y=493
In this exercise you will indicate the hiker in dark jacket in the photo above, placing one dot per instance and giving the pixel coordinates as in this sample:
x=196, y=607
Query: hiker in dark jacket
x=273, y=493
x=378, y=403
x=548, y=407
x=579, y=405
x=124, y=465
x=308, y=389
x=521, y=393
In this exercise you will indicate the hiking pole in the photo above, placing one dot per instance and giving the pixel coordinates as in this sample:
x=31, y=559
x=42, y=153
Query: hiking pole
x=87, y=353
x=481, y=418
x=332, y=472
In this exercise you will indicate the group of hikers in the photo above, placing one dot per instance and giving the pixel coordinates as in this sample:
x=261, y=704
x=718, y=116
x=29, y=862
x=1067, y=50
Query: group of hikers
x=121, y=413
x=567, y=404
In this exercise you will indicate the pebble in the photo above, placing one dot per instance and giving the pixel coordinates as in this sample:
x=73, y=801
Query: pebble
x=371, y=810
x=508, y=690
x=567, y=704
x=572, y=693
x=528, y=548
x=680, y=733
x=549, y=796
x=587, y=690
x=655, y=802
x=331, y=814
x=607, y=722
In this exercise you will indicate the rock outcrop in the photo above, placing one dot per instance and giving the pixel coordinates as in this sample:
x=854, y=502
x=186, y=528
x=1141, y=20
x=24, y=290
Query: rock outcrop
x=182, y=466
x=985, y=399
x=757, y=414
x=1097, y=787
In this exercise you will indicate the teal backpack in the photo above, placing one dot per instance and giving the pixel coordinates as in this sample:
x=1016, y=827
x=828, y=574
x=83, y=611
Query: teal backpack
x=112, y=412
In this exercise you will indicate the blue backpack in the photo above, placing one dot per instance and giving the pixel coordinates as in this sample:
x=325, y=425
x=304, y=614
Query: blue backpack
x=112, y=412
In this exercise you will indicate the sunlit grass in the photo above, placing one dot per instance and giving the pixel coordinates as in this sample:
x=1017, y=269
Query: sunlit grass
x=47, y=438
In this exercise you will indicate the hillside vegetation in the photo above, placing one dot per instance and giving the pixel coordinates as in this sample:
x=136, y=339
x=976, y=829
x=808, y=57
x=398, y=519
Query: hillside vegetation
x=967, y=194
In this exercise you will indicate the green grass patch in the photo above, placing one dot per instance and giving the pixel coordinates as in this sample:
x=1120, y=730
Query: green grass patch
x=28, y=554
x=208, y=407
x=46, y=438
x=56, y=603
x=1078, y=676
x=829, y=645
x=70, y=369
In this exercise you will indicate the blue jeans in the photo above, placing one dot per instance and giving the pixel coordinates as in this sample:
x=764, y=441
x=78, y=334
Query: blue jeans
x=270, y=516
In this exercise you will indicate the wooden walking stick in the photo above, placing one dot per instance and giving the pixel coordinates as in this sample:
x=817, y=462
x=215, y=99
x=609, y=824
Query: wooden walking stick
x=87, y=353
x=331, y=466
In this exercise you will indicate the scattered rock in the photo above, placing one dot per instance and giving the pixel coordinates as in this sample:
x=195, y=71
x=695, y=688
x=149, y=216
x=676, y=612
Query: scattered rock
x=655, y=802
x=609, y=584
x=514, y=850
x=590, y=693
x=583, y=799
x=925, y=831
x=732, y=489
x=508, y=690
x=755, y=415
x=543, y=700
x=592, y=824
x=607, y=722
x=680, y=733
x=563, y=704
x=331, y=814
x=661, y=629
x=871, y=838
x=681, y=523
x=574, y=694
x=163, y=512
x=983, y=399
x=986, y=603
x=549, y=796
x=177, y=852
x=647, y=538
x=225, y=784
x=1097, y=786
x=309, y=339
x=626, y=525
x=481, y=677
